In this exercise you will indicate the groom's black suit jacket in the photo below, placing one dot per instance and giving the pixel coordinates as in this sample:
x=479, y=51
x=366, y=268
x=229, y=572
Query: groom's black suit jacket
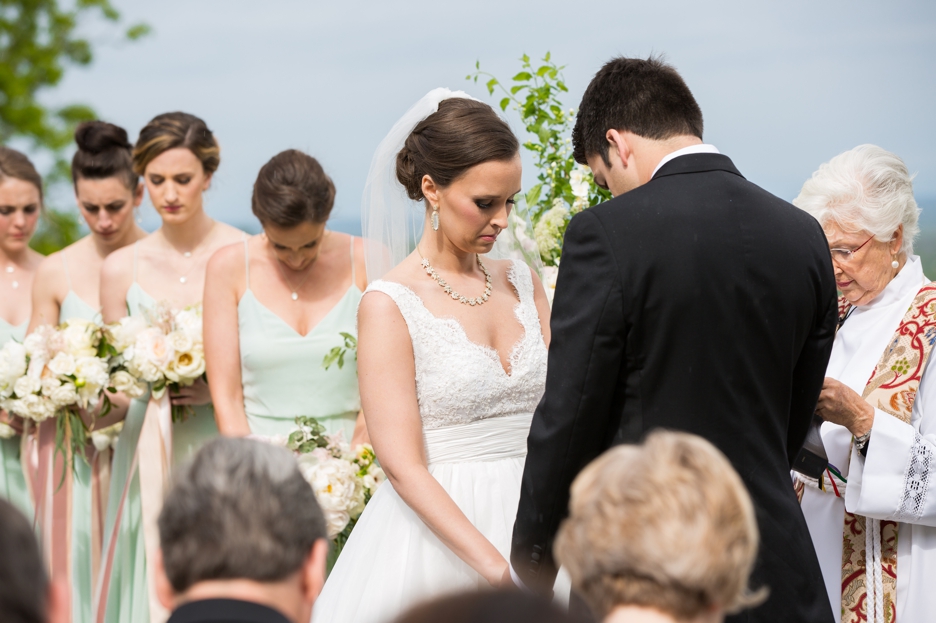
x=697, y=302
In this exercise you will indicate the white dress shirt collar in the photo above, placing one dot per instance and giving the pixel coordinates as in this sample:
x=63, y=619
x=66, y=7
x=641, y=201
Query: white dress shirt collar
x=704, y=148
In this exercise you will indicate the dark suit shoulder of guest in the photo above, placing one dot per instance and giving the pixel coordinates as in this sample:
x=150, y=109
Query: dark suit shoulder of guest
x=226, y=611
x=697, y=302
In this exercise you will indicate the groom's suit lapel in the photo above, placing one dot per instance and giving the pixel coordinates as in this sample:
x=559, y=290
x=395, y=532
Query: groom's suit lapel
x=697, y=163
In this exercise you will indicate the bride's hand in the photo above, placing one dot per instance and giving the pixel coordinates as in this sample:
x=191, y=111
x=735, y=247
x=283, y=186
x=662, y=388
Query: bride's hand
x=195, y=394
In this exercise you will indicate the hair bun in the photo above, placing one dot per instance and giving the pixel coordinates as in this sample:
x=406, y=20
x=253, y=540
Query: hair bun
x=95, y=137
x=407, y=174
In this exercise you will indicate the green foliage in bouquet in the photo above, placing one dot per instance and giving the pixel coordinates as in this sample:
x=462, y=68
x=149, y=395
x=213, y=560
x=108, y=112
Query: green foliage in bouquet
x=338, y=353
x=563, y=187
x=308, y=436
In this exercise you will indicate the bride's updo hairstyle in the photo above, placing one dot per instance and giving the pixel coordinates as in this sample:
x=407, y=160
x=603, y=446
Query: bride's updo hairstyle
x=103, y=152
x=172, y=130
x=292, y=188
x=463, y=133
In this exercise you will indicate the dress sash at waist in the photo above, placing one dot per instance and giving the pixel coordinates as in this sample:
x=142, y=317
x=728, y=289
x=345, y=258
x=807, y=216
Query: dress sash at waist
x=490, y=439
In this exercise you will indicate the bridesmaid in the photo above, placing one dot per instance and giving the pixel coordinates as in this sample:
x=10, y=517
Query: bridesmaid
x=20, y=204
x=276, y=304
x=67, y=282
x=177, y=155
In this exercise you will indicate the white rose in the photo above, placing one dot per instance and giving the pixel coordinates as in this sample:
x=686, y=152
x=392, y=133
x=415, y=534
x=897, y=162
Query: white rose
x=36, y=342
x=180, y=341
x=26, y=385
x=7, y=431
x=187, y=367
x=144, y=370
x=63, y=395
x=79, y=337
x=123, y=334
x=337, y=489
x=189, y=320
x=90, y=378
x=63, y=364
x=12, y=362
x=36, y=408
x=152, y=347
x=124, y=382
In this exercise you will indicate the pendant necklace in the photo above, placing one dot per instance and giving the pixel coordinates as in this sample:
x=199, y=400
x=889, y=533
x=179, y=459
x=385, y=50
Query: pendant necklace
x=9, y=270
x=481, y=300
x=308, y=271
x=188, y=254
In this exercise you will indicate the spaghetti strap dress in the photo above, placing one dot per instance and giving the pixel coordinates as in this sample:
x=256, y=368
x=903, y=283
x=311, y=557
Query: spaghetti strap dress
x=282, y=371
x=128, y=595
x=73, y=306
x=12, y=481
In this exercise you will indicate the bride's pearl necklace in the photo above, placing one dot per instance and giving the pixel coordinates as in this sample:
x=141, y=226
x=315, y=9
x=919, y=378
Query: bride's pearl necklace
x=481, y=300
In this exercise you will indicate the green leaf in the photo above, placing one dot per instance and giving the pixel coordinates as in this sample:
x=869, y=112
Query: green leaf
x=525, y=58
x=138, y=31
x=522, y=76
x=491, y=84
x=546, y=58
x=504, y=103
x=533, y=194
x=542, y=71
x=517, y=88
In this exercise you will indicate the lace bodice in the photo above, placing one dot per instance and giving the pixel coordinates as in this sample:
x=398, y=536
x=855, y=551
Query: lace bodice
x=459, y=381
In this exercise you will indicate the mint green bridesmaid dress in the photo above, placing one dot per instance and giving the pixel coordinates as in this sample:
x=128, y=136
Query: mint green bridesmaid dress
x=74, y=307
x=12, y=481
x=281, y=370
x=128, y=598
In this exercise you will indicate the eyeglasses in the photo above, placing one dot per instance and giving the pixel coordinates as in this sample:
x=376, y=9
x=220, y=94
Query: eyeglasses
x=846, y=255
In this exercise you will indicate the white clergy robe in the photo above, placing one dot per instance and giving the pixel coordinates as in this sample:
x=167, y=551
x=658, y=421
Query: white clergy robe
x=897, y=480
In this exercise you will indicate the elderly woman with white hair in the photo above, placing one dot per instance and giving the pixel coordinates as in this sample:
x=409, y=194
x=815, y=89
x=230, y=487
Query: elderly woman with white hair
x=872, y=514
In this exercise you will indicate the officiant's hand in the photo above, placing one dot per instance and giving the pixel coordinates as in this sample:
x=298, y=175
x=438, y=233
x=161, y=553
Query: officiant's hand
x=195, y=394
x=841, y=405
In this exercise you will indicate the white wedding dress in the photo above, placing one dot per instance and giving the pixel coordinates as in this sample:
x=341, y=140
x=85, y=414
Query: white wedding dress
x=475, y=418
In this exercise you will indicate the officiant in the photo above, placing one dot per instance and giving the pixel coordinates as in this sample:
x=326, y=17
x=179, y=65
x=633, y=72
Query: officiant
x=876, y=501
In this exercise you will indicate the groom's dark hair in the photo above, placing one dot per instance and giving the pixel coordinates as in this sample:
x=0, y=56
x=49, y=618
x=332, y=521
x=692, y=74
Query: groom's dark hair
x=646, y=97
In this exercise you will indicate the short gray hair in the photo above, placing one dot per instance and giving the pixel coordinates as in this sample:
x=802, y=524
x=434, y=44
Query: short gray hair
x=864, y=189
x=239, y=510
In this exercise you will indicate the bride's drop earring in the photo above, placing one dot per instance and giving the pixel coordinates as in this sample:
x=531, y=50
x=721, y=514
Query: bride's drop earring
x=435, y=218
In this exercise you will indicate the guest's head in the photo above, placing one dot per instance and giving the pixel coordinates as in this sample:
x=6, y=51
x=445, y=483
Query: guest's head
x=20, y=200
x=863, y=199
x=293, y=198
x=487, y=607
x=240, y=522
x=463, y=161
x=633, y=113
x=664, y=527
x=107, y=188
x=176, y=154
x=26, y=595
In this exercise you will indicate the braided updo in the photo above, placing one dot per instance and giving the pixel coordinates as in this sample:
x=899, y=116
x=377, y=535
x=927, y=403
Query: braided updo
x=463, y=133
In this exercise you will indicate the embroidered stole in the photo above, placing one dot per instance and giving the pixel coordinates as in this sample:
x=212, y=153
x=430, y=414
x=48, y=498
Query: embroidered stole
x=892, y=388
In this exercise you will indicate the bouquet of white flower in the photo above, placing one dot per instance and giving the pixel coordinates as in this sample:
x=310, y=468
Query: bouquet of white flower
x=164, y=348
x=57, y=371
x=344, y=480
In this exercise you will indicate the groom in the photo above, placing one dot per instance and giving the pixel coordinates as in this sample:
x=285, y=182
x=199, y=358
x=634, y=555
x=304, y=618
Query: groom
x=692, y=301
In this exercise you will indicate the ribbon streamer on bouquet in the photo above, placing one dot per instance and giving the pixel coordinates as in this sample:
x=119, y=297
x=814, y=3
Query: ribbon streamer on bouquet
x=54, y=491
x=155, y=450
x=151, y=460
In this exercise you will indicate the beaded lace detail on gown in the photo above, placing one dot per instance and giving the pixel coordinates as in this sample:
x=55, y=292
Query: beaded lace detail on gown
x=459, y=381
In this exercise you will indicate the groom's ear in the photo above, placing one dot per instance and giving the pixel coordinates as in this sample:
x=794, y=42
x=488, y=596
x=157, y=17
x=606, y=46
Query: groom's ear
x=618, y=150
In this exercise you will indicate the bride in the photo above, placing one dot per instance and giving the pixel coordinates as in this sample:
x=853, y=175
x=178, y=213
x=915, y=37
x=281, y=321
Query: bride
x=452, y=363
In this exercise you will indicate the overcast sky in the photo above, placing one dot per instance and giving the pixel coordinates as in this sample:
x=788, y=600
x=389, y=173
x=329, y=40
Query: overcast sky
x=784, y=86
